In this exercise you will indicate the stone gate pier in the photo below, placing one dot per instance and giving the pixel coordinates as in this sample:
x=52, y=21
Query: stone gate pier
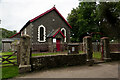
x=87, y=48
x=24, y=54
x=106, y=49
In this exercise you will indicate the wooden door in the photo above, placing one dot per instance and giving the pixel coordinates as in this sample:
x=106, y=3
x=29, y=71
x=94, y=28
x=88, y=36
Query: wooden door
x=58, y=44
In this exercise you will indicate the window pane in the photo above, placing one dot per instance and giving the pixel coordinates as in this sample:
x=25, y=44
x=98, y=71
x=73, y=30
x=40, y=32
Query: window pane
x=63, y=32
x=41, y=33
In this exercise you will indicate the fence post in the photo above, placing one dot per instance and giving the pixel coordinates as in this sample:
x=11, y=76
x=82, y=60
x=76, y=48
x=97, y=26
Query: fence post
x=106, y=50
x=24, y=54
x=87, y=48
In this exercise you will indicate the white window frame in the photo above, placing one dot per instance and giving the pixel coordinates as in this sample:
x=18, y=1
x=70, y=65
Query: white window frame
x=64, y=33
x=43, y=33
x=25, y=31
x=21, y=33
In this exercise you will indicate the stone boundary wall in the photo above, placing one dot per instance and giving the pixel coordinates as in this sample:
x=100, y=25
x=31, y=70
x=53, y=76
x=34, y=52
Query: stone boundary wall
x=115, y=47
x=41, y=62
x=115, y=56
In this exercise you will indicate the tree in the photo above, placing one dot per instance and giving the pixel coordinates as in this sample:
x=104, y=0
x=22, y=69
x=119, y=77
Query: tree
x=7, y=34
x=90, y=17
x=83, y=21
x=109, y=14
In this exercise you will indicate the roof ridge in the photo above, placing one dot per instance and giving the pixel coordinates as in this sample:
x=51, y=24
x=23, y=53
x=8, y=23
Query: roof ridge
x=42, y=14
x=53, y=8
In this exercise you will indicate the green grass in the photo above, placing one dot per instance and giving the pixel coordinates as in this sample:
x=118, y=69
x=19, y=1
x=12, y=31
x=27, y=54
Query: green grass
x=81, y=52
x=97, y=55
x=9, y=72
x=41, y=54
x=6, y=53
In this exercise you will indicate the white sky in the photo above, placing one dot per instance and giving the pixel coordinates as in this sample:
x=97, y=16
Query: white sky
x=15, y=13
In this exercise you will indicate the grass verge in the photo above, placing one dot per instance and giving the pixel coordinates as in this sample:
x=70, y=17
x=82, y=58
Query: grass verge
x=9, y=72
x=97, y=55
x=41, y=54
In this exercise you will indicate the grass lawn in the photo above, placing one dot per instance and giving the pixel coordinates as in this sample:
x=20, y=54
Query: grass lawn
x=97, y=55
x=9, y=72
x=6, y=53
x=41, y=54
x=81, y=52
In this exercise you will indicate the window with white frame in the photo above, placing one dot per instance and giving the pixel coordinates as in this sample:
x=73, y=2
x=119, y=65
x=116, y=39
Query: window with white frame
x=41, y=33
x=21, y=33
x=25, y=31
x=64, y=32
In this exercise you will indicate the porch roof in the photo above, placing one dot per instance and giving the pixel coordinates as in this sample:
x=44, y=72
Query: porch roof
x=54, y=33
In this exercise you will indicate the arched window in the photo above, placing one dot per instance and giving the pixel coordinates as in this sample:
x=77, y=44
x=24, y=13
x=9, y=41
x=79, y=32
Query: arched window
x=64, y=32
x=41, y=33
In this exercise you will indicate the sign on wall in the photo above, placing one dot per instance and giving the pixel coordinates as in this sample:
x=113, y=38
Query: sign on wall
x=73, y=48
x=54, y=40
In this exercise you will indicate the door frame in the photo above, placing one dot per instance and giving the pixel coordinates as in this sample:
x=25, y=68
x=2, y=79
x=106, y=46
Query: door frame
x=58, y=41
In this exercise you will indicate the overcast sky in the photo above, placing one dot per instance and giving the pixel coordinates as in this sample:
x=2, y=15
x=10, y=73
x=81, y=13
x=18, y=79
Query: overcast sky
x=15, y=13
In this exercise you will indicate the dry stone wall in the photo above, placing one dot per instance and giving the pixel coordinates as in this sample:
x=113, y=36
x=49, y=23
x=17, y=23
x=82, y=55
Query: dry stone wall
x=41, y=62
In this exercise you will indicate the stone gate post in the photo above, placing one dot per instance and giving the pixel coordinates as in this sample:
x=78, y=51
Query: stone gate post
x=24, y=54
x=87, y=48
x=106, y=50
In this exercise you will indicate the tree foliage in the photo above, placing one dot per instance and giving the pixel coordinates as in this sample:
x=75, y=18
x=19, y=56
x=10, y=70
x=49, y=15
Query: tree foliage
x=90, y=18
x=7, y=34
x=109, y=14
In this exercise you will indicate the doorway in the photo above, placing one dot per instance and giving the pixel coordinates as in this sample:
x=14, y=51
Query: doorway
x=58, y=44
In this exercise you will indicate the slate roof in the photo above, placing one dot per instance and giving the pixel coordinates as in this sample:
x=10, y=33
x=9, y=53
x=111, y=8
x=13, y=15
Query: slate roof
x=54, y=33
x=9, y=39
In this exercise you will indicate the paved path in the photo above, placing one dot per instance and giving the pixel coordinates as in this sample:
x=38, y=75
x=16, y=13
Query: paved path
x=103, y=70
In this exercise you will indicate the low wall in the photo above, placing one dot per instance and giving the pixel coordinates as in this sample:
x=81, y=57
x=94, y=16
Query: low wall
x=40, y=62
x=115, y=56
x=114, y=47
